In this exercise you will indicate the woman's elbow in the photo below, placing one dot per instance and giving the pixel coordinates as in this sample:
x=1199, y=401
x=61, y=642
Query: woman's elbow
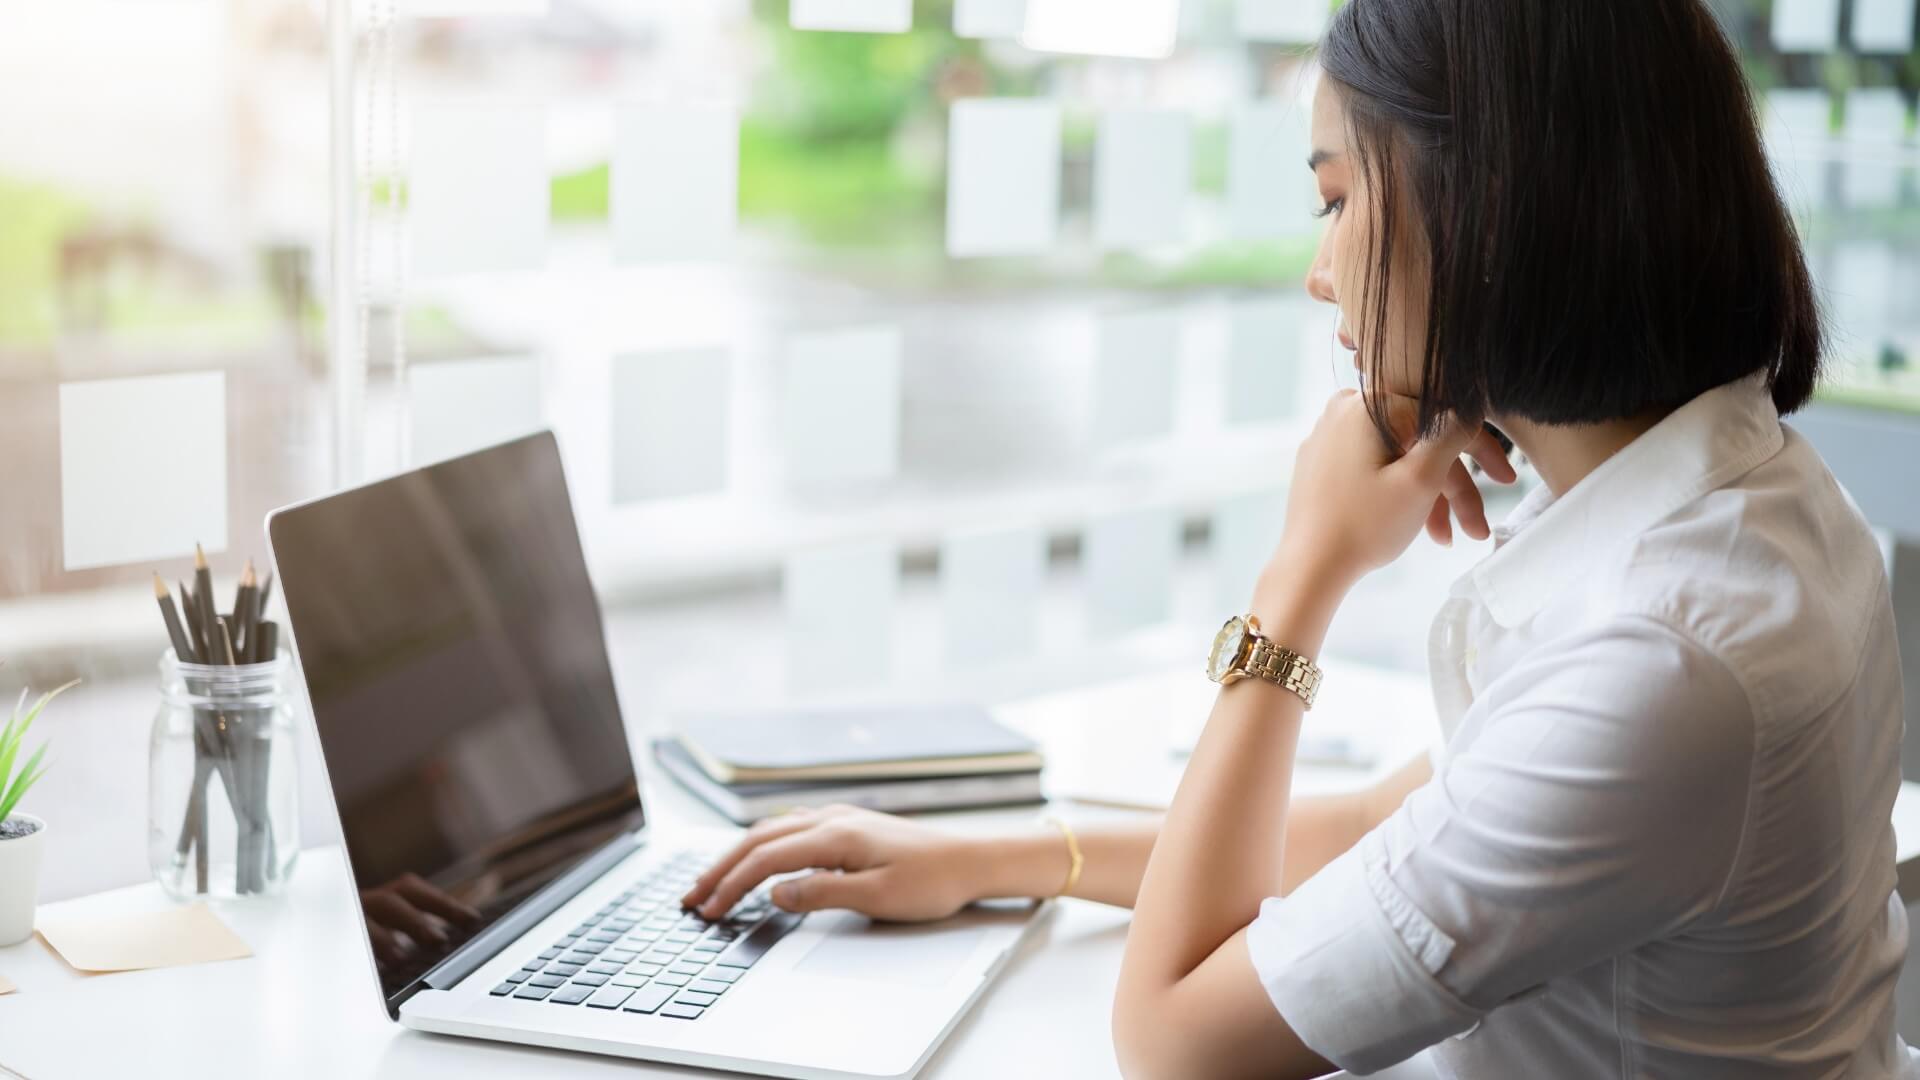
x=1141, y=1046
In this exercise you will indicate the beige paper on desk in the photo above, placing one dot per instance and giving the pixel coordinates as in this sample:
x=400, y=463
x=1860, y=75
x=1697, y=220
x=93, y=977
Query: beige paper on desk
x=154, y=939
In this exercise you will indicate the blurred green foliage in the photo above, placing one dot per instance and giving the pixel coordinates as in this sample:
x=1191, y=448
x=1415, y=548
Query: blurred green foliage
x=842, y=153
x=36, y=220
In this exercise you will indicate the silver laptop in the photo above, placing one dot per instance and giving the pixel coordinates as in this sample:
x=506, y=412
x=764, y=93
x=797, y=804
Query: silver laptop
x=499, y=845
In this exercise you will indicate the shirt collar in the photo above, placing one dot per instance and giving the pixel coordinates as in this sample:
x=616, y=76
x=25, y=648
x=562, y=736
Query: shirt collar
x=1548, y=541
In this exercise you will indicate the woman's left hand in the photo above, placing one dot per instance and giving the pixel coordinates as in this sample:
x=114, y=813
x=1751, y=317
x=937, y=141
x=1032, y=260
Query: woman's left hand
x=1354, y=507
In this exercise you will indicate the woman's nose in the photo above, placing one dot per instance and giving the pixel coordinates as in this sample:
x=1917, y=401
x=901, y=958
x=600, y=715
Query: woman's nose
x=1320, y=274
x=1320, y=282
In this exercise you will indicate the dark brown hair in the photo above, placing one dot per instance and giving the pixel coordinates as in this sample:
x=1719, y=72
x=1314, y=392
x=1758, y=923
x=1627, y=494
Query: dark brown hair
x=1604, y=231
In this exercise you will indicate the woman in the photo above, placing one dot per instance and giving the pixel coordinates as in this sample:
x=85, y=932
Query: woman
x=1657, y=842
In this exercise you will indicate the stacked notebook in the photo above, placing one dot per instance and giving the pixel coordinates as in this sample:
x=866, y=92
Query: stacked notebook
x=943, y=757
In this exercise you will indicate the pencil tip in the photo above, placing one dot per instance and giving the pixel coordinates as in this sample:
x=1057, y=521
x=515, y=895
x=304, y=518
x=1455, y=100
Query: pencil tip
x=159, y=587
x=199, y=558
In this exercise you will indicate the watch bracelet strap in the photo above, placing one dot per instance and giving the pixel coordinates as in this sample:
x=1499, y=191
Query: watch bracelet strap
x=1285, y=667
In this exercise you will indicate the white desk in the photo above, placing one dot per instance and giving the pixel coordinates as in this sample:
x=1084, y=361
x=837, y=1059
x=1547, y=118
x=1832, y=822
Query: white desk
x=306, y=1005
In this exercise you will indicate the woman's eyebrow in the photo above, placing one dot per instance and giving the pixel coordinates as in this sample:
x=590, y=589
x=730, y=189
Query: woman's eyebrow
x=1319, y=158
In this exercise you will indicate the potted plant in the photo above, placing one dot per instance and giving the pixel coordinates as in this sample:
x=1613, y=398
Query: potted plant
x=22, y=836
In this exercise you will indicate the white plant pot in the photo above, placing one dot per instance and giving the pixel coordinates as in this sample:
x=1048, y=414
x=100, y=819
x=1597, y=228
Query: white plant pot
x=20, y=881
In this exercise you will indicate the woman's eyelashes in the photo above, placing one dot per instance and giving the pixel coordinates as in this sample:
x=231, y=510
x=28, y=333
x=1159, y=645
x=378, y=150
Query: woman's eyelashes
x=1333, y=206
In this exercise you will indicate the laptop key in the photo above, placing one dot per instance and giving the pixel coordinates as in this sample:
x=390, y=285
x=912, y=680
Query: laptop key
x=695, y=997
x=548, y=980
x=578, y=956
x=573, y=994
x=632, y=982
x=551, y=954
x=661, y=958
x=649, y=999
x=671, y=979
x=618, y=956
x=641, y=967
x=722, y=974
x=682, y=1012
x=748, y=950
x=520, y=976
x=710, y=986
x=609, y=997
x=504, y=989
x=592, y=947
x=604, y=968
x=687, y=969
x=564, y=970
x=588, y=978
x=531, y=992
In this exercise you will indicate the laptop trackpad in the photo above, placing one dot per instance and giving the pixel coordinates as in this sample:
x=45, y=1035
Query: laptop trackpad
x=855, y=947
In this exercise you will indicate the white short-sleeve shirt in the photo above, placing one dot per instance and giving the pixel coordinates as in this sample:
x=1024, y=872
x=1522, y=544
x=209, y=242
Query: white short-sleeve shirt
x=1658, y=840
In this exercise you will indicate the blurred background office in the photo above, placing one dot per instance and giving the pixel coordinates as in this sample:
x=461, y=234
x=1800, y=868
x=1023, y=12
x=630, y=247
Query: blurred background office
x=959, y=356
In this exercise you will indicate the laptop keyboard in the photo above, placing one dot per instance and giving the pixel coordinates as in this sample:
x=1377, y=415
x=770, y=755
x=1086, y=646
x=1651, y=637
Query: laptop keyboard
x=642, y=954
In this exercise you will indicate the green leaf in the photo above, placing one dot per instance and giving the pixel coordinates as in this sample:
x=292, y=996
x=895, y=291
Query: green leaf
x=12, y=787
x=6, y=733
x=25, y=780
x=8, y=748
x=6, y=805
x=10, y=743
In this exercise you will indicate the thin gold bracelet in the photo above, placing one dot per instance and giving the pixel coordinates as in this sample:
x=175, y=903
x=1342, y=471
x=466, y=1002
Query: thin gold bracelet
x=1073, y=852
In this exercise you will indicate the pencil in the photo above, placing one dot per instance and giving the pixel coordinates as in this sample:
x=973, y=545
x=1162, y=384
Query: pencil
x=224, y=633
x=243, y=807
x=267, y=642
x=243, y=614
x=203, y=592
x=197, y=634
x=182, y=648
x=266, y=593
x=202, y=856
x=208, y=745
x=184, y=652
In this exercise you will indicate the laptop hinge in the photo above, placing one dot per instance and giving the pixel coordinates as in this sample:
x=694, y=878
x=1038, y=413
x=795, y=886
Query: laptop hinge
x=469, y=957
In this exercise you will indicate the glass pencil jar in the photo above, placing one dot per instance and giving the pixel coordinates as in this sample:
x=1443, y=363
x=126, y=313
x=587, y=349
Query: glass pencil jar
x=223, y=787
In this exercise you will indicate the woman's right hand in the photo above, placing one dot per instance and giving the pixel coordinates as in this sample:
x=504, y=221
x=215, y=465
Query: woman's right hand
x=876, y=864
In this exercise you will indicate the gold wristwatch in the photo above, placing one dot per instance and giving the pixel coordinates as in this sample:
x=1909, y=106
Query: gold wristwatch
x=1241, y=651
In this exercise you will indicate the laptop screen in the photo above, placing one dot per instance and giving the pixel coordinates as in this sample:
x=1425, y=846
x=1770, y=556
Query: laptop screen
x=456, y=664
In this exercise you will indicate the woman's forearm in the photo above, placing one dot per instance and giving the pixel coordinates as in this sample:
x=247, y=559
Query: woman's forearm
x=1224, y=840
x=1035, y=862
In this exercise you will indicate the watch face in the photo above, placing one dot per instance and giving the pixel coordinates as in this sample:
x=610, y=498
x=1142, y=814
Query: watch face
x=1227, y=646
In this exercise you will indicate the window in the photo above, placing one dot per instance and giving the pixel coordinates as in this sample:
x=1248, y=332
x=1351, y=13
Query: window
x=778, y=290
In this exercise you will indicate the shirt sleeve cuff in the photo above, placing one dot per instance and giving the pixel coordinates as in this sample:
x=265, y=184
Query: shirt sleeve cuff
x=1349, y=962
